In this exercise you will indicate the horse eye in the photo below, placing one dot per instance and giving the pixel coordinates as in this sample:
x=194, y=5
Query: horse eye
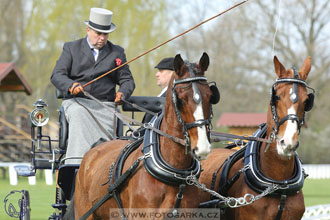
x=180, y=103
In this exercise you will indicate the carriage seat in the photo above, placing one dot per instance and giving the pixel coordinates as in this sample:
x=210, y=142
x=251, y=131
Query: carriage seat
x=154, y=104
x=64, y=130
x=151, y=103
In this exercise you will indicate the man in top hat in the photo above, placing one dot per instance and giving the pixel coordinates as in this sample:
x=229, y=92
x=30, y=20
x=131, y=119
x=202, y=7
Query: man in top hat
x=80, y=62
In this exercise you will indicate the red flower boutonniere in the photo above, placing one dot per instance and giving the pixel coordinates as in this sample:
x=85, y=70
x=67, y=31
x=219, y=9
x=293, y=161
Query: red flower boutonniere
x=118, y=61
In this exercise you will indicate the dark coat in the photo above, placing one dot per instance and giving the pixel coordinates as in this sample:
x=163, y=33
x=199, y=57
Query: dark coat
x=77, y=64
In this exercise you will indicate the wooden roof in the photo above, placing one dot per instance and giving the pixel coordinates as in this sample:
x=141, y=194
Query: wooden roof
x=12, y=80
x=231, y=119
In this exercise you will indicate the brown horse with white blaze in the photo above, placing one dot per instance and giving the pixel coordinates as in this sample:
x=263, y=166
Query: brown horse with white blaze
x=186, y=116
x=266, y=165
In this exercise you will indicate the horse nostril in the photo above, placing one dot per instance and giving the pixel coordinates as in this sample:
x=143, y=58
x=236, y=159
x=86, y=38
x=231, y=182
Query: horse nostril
x=282, y=142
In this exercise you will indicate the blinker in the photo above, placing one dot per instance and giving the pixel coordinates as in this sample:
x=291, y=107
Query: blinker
x=215, y=97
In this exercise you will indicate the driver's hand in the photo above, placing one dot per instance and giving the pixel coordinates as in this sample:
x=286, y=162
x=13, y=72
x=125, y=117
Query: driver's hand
x=76, y=88
x=119, y=96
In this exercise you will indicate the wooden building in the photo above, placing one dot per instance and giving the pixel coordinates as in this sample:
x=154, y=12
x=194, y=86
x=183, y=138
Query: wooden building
x=11, y=80
x=241, y=123
x=15, y=138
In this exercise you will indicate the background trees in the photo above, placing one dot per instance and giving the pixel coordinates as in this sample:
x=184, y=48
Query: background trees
x=241, y=45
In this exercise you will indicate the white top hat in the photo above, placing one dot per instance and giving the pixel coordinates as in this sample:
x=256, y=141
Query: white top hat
x=100, y=20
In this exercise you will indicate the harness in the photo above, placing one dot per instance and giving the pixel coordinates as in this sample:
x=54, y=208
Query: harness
x=257, y=181
x=294, y=98
x=152, y=159
x=197, y=99
x=254, y=177
x=157, y=166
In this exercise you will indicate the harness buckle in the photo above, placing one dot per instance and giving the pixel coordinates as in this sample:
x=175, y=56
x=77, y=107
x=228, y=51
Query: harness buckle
x=147, y=125
x=147, y=155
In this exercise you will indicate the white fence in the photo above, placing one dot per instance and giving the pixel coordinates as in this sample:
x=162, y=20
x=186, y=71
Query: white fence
x=317, y=171
x=318, y=212
x=13, y=180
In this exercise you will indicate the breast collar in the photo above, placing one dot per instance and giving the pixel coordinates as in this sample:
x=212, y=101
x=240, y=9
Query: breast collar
x=155, y=164
x=258, y=181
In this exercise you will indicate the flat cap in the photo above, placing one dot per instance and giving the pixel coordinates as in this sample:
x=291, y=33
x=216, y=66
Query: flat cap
x=166, y=63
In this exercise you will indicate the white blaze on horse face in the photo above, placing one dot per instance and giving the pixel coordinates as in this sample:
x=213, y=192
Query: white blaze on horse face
x=203, y=144
x=286, y=143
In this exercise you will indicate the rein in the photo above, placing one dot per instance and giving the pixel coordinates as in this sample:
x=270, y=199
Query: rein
x=216, y=137
x=125, y=118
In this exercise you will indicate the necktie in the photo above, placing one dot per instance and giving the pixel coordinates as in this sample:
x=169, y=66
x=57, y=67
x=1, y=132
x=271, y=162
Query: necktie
x=95, y=53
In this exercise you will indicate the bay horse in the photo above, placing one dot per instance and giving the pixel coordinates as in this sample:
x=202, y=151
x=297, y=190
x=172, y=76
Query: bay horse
x=267, y=164
x=160, y=182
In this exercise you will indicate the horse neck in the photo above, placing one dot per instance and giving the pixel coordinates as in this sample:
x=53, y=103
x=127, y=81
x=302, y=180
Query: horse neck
x=173, y=153
x=272, y=164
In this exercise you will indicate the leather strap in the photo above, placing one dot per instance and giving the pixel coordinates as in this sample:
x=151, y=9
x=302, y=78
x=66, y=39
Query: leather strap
x=179, y=197
x=281, y=207
x=112, y=189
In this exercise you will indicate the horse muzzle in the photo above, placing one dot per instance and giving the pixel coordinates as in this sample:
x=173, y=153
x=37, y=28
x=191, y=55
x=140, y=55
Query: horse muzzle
x=286, y=149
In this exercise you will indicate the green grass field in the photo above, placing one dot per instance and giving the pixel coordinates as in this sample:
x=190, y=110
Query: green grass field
x=42, y=195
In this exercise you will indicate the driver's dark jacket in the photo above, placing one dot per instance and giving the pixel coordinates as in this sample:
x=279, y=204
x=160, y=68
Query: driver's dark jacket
x=77, y=64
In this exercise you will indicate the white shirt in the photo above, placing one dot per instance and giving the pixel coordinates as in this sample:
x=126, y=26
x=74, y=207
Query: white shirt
x=162, y=92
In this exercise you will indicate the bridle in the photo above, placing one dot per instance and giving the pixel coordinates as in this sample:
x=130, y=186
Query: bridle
x=293, y=98
x=197, y=99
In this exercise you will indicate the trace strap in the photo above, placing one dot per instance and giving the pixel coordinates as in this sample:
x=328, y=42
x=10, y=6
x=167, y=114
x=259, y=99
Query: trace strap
x=215, y=134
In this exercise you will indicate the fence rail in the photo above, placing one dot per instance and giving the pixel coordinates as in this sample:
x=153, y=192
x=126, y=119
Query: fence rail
x=317, y=171
x=318, y=212
x=13, y=180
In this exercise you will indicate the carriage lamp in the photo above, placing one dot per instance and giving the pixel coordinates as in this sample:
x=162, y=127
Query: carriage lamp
x=40, y=115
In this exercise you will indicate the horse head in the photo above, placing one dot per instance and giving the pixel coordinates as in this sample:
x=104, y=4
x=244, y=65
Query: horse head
x=192, y=99
x=289, y=102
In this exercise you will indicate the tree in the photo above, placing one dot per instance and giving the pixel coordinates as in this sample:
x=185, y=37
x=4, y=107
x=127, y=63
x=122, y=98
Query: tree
x=48, y=24
x=11, y=38
x=240, y=45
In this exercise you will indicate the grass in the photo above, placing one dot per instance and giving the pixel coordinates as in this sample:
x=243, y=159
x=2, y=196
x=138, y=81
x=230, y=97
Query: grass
x=42, y=196
x=316, y=192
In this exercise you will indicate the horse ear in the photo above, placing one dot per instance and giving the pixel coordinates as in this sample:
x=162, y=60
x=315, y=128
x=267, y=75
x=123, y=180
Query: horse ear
x=279, y=68
x=204, y=62
x=305, y=69
x=177, y=64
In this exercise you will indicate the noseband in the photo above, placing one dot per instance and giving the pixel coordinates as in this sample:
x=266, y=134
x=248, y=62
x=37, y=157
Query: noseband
x=293, y=98
x=197, y=99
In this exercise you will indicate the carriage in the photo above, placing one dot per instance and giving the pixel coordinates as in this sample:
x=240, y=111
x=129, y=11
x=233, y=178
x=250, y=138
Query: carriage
x=220, y=185
x=53, y=154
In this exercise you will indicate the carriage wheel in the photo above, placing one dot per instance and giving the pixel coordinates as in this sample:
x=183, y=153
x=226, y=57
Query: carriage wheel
x=25, y=210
